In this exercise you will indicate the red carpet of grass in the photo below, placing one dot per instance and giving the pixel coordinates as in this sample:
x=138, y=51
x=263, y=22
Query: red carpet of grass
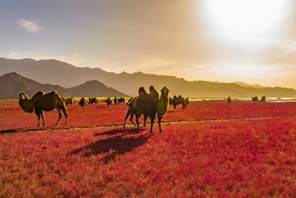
x=209, y=150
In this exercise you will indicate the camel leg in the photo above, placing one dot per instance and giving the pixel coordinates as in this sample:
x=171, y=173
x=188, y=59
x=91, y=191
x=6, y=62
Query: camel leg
x=60, y=116
x=145, y=119
x=38, y=117
x=39, y=114
x=126, y=116
x=43, y=117
x=131, y=119
x=137, y=118
x=152, y=118
x=159, y=123
x=66, y=115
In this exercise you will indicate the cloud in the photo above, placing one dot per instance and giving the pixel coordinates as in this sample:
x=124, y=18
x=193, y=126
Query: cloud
x=29, y=26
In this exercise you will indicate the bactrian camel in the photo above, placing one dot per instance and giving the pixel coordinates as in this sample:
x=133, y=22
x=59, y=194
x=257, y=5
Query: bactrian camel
x=151, y=105
x=42, y=101
x=131, y=112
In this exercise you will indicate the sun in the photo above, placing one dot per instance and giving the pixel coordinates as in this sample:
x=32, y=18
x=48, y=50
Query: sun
x=239, y=20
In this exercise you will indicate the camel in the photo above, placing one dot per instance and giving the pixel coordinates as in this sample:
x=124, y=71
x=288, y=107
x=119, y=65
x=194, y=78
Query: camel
x=69, y=101
x=108, y=101
x=93, y=100
x=82, y=102
x=263, y=99
x=151, y=104
x=42, y=101
x=228, y=100
x=131, y=112
x=176, y=101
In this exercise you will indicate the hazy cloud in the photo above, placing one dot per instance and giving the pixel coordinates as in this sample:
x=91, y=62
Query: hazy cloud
x=29, y=26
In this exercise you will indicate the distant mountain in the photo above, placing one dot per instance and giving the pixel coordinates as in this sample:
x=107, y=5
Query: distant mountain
x=94, y=88
x=66, y=75
x=12, y=84
x=249, y=85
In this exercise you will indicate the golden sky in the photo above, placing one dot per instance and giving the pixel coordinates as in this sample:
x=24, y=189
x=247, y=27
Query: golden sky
x=253, y=41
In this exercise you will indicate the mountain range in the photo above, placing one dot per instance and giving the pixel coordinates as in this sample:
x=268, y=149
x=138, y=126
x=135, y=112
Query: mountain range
x=12, y=84
x=64, y=76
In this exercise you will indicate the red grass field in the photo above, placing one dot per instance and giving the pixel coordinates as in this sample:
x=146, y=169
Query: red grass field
x=211, y=149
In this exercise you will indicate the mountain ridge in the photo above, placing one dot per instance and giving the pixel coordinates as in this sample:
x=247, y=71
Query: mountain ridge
x=67, y=75
x=12, y=84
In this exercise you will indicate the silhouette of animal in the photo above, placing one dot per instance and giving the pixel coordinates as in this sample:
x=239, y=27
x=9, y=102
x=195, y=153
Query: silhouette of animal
x=93, y=100
x=82, y=102
x=228, y=100
x=255, y=99
x=69, y=101
x=151, y=104
x=186, y=103
x=108, y=101
x=42, y=101
x=121, y=100
x=131, y=112
x=115, y=101
x=263, y=99
x=177, y=101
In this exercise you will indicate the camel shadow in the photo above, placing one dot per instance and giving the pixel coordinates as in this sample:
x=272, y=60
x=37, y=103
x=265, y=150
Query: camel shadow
x=111, y=147
x=121, y=131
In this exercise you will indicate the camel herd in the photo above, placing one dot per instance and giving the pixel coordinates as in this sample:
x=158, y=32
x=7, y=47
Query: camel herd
x=150, y=105
x=147, y=104
x=256, y=99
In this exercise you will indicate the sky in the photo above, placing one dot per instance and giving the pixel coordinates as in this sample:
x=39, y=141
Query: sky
x=253, y=41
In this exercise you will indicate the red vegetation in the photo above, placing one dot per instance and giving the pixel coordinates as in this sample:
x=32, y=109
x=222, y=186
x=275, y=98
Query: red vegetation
x=209, y=150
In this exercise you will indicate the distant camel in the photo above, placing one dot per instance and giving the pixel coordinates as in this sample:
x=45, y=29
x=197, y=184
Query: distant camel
x=108, y=101
x=82, y=102
x=69, y=101
x=43, y=102
x=115, y=100
x=228, y=100
x=255, y=99
x=150, y=104
x=93, y=100
x=121, y=100
x=186, y=103
x=178, y=101
x=263, y=99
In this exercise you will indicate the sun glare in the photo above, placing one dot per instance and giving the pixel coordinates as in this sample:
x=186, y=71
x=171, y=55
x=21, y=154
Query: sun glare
x=239, y=20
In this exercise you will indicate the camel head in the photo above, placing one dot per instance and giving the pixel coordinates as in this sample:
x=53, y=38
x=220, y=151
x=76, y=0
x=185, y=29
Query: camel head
x=26, y=103
x=23, y=96
x=164, y=90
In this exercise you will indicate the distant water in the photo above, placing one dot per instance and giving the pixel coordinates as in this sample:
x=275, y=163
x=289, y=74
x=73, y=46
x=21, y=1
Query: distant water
x=246, y=99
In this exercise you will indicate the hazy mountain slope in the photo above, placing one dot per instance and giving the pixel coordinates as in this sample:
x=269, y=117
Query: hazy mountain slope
x=94, y=88
x=66, y=75
x=52, y=71
x=249, y=85
x=12, y=84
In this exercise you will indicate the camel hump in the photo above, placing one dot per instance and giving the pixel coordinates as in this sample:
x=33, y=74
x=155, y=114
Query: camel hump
x=38, y=95
x=54, y=93
x=142, y=91
x=153, y=93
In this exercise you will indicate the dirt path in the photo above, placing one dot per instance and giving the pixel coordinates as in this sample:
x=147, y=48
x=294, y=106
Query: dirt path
x=71, y=128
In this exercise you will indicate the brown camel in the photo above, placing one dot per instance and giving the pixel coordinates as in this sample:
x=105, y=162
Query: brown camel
x=131, y=112
x=150, y=104
x=43, y=102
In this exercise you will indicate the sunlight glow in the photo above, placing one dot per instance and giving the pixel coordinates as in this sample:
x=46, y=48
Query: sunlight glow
x=240, y=20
